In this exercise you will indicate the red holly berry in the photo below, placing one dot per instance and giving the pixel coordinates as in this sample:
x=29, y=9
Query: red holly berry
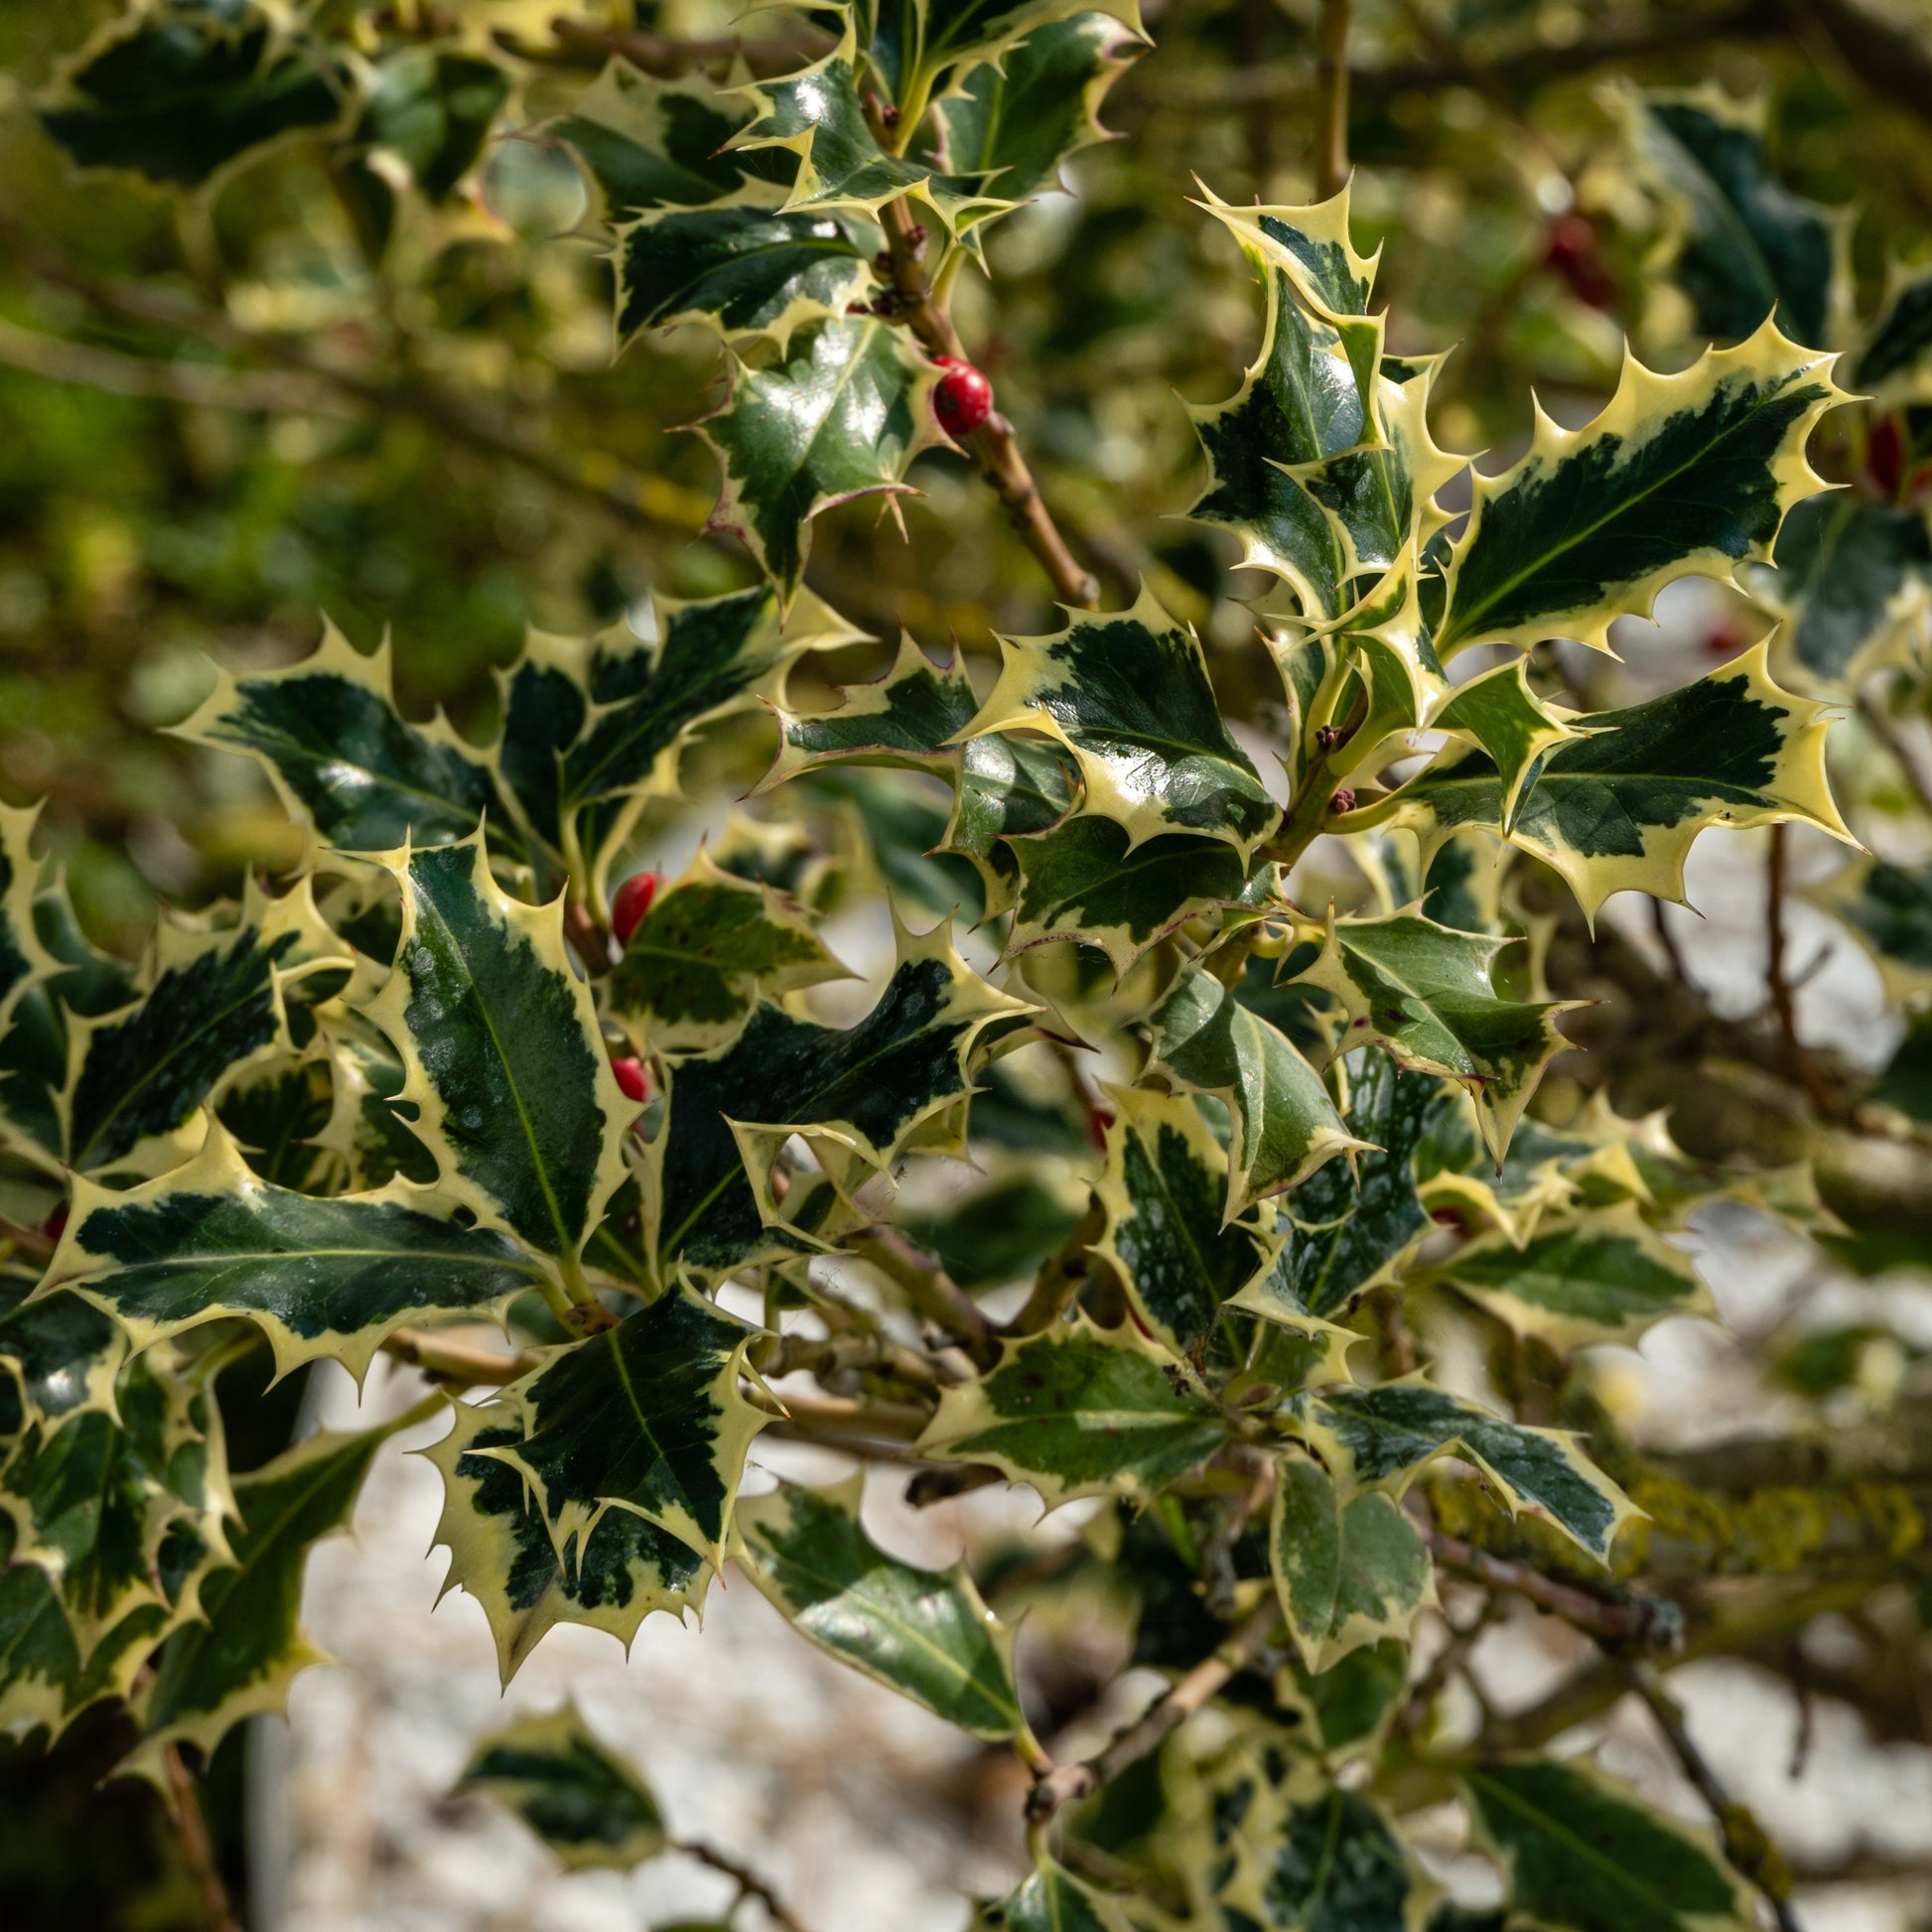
x=963, y=399
x=632, y=1081
x=632, y=901
x=1885, y=456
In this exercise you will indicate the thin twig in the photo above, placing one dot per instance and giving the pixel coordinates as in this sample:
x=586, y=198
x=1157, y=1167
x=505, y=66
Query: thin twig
x=844, y=1415
x=993, y=443
x=452, y=1361
x=748, y=1882
x=1652, y=1622
x=1667, y=940
x=1747, y=1845
x=197, y=1845
x=1784, y=1007
x=930, y=1288
x=1331, y=83
x=829, y=1355
x=1060, y=1276
x=1066, y=1784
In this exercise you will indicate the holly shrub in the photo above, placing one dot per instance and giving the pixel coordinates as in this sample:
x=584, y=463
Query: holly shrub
x=1196, y=1159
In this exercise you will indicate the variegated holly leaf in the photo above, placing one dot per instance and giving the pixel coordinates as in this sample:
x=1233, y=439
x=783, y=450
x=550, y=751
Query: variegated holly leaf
x=1686, y=474
x=1051, y=1899
x=1594, y=1277
x=649, y=143
x=1380, y=1437
x=1285, y=1126
x=589, y=1806
x=1347, y=1574
x=1163, y=1190
x=1738, y=243
x=501, y=1554
x=320, y=1278
x=275, y=1115
x=707, y=659
x=1006, y=787
x=504, y=1060
x=1336, y=1863
x=864, y=1089
x=645, y=1417
x=1086, y=880
x=1013, y=121
x=1894, y=364
x=1427, y=993
x=1380, y=651
x=911, y=717
x=1619, y=809
x=1889, y=908
x=923, y=1633
x=1499, y=713
x=372, y=1139
x=57, y=1354
x=1078, y=1411
x=24, y=957
x=211, y=1007
x=341, y=757
x=842, y=415
x=241, y=1660
x=704, y=952
x=1298, y=405
x=1352, y=1221
x=818, y=115
x=1129, y=696
x=178, y=92
x=743, y=266
x=909, y=44
x=1852, y=584
x=1586, y=1854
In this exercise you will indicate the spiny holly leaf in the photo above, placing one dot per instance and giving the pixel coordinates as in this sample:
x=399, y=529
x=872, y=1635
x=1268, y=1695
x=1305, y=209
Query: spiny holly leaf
x=743, y=266
x=1051, y=1899
x=343, y=758
x=817, y=114
x=365, y=1132
x=706, y=949
x=1384, y=642
x=1851, y=583
x=1618, y=809
x=1013, y=121
x=212, y=1241
x=505, y=1063
x=1457, y=1175
x=1737, y=242
x=1379, y=1438
x=1427, y=993
x=843, y=415
x=921, y=1633
x=908, y=43
x=1350, y=1706
x=1499, y=713
x=241, y=1660
x=24, y=958
x=1006, y=787
x=1163, y=1191
x=867, y=1088
x=649, y=143
x=59, y=1354
x=1078, y=1411
x=501, y=1554
x=179, y=90
x=1895, y=362
x=276, y=1111
x=911, y=717
x=1889, y=908
x=1584, y=1855
x=213, y=1005
x=1291, y=1349
x=1129, y=696
x=1285, y=1126
x=709, y=658
x=1086, y=880
x=1598, y=1277
x=1352, y=1221
x=1297, y=405
x=589, y=1806
x=1347, y=1574
x=645, y=1417
x=1311, y=247
x=1686, y=474
x=1338, y=1864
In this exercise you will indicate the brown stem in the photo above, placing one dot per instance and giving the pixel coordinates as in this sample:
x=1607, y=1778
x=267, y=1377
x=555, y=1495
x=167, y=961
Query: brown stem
x=844, y=1415
x=1060, y=1276
x=196, y=1847
x=1747, y=1845
x=1784, y=1007
x=30, y=1244
x=1667, y=940
x=1066, y=1784
x=790, y=1353
x=748, y=1884
x=931, y=1290
x=1650, y=1622
x=1331, y=83
x=451, y=1361
x=993, y=443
